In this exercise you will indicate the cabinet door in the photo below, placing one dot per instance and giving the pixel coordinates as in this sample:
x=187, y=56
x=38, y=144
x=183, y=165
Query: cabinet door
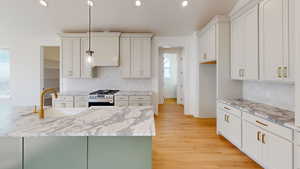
x=237, y=58
x=289, y=60
x=106, y=50
x=234, y=130
x=86, y=66
x=251, y=44
x=55, y=152
x=120, y=152
x=141, y=57
x=10, y=153
x=297, y=157
x=277, y=153
x=273, y=38
x=125, y=54
x=251, y=141
x=71, y=57
x=81, y=101
x=220, y=121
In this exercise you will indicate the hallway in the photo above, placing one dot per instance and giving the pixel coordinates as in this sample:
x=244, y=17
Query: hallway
x=183, y=142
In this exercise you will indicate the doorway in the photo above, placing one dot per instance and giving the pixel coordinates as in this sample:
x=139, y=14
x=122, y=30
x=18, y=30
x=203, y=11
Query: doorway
x=50, y=70
x=172, y=75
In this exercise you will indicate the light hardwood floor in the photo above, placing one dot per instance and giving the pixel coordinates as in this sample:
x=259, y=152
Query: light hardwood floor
x=183, y=142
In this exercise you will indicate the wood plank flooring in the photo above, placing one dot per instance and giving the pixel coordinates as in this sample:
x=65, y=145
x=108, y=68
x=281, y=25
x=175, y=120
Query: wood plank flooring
x=184, y=142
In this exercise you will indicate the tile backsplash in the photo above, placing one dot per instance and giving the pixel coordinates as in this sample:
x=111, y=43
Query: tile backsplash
x=276, y=94
x=107, y=78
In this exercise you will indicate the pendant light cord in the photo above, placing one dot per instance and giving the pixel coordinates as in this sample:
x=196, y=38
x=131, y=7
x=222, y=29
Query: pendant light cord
x=90, y=20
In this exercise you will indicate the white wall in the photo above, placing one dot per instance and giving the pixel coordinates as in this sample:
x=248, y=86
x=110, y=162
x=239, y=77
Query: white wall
x=276, y=94
x=25, y=65
x=107, y=78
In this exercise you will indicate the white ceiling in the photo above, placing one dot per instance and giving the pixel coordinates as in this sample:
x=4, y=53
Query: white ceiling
x=163, y=17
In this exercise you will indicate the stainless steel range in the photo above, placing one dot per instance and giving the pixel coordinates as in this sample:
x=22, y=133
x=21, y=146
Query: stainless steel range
x=102, y=98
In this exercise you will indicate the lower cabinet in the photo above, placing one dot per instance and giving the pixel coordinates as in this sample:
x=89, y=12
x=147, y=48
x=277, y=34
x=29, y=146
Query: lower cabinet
x=10, y=153
x=55, y=153
x=269, y=150
x=120, y=152
x=232, y=126
x=297, y=150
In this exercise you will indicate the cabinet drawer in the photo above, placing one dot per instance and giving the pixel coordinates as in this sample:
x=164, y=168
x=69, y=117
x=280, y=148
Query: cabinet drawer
x=297, y=157
x=64, y=98
x=63, y=104
x=122, y=98
x=229, y=109
x=81, y=104
x=140, y=98
x=269, y=126
x=122, y=103
x=81, y=98
x=140, y=103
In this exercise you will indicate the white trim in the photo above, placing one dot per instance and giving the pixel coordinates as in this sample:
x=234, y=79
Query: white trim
x=205, y=115
x=177, y=41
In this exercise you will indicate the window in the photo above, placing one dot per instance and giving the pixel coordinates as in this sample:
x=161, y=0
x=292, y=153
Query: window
x=4, y=73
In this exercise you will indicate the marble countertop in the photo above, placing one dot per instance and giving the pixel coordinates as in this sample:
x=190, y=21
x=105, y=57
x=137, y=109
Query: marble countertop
x=95, y=121
x=267, y=112
x=134, y=93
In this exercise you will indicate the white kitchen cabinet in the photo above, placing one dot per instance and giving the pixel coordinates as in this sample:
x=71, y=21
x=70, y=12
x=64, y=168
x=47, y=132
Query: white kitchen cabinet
x=122, y=101
x=106, y=46
x=244, y=46
x=55, y=152
x=71, y=57
x=232, y=126
x=81, y=101
x=87, y=68
x=297, y=150
x=10, y=153
x=208, y=43
x=277, y=153
x=274, y=40
x=136, y=55
x=269, y=150
x=251, y=141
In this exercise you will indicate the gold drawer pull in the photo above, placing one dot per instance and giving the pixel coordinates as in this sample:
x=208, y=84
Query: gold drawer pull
x=227, y=108
x=263, y=138
x=261, y=123
x=258, y=136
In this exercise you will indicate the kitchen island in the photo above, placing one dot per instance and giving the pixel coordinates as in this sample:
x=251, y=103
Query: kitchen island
x=94, y=138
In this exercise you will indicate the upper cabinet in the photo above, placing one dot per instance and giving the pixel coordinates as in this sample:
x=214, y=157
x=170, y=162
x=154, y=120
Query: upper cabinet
x=135, y=51
x=208, y=43
x=274, y=40
x=71, y=57
x=244, y=45
x=262, y=41
x=106, y=47
x=74, y=58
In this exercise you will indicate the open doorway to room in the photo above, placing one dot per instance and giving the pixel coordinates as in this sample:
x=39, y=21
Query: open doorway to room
x=172, y=75
x=50, y=70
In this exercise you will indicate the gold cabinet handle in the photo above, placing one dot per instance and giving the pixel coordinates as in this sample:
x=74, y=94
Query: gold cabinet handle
x=228, y=118
x=263, y=138
x=285, y=72
x=279, y=72
x=258, y=136
x=225, y=117
x=261, y=123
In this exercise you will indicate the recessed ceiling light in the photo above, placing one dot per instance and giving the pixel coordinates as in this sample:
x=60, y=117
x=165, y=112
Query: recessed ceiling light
x=90, y=3
x=185, y=3
x=43, y=3
x=138, y=3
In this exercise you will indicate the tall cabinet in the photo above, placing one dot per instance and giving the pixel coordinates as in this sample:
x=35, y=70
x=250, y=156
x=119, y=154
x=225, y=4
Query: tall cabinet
x=135, y=55
x=244, y=45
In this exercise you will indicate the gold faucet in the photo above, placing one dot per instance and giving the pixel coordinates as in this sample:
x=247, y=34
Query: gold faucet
x=42, y=111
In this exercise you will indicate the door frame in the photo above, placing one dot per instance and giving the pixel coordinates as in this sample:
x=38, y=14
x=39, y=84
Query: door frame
x=166, y=42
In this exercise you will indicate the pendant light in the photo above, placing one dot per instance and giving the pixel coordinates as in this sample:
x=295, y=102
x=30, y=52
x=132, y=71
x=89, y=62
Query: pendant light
x=89, y=52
